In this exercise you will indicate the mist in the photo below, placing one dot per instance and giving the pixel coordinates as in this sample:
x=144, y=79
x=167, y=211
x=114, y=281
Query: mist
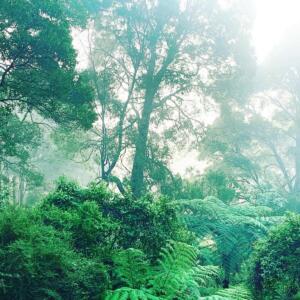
x=149, y=149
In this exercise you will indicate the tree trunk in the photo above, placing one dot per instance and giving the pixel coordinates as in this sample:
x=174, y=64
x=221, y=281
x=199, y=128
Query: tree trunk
x=1, y=177
x=297, y=161
x=22, y=188
x=14, y=187
x=139, y=161
x=226, y=265
x=295, y=205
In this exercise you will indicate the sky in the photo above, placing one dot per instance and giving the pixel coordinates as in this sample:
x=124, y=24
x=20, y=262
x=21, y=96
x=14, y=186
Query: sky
x=273, y=19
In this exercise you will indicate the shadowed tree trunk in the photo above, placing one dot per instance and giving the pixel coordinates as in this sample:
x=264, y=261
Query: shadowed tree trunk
x=296, y=203
x=297, y=153
x=22, y=190
x=137, y=177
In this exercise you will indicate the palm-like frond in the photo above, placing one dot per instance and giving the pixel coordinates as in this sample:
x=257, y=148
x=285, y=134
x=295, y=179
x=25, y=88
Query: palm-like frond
x=131, y=267
x=238, y=292
x=232, y=227
x=176, y=272
x=126, y=293
x=176, y=275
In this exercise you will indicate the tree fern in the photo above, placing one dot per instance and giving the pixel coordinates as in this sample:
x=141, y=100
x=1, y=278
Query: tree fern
x=238, y=292
x=177, y=270
x=175, y=276
x=131, y=267
x=126, y=293
x=232, y=227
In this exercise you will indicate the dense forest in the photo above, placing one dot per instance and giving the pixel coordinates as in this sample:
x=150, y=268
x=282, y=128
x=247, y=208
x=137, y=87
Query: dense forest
x=146, y=153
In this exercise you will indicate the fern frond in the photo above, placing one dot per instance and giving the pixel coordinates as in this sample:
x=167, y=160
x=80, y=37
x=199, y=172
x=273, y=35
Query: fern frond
x=177, y=255
x=178, y=275
x=207, y=275
x=251, y=210
x=126, y=293
x=238, y=292
x=176, y=270
x=131, y=267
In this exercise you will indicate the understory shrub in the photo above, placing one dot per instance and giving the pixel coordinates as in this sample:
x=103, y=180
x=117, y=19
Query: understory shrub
x=275, y=270
x=97, y=217
x=38, y=262
x=63, y=247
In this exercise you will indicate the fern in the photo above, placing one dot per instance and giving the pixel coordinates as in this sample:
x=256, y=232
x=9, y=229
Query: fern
x=177, y=270
x=126, y=293
x=207, y=275
x=238, y=292
x=132, y=267
x=176, y=275
x=232, y=227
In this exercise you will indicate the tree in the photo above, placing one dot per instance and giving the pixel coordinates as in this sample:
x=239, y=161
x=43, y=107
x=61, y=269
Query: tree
x=38, y=78
x=19, y=139
x=37, y=44
x=229, y=147
x=159, y=55
x=259, y=142
x=230, y=228
x=264, y=139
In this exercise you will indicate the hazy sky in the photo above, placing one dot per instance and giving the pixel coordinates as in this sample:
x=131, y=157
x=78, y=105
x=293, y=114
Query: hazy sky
x=273, y=18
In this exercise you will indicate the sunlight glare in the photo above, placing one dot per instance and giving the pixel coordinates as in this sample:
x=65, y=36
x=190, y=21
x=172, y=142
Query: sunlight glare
x=273, y=19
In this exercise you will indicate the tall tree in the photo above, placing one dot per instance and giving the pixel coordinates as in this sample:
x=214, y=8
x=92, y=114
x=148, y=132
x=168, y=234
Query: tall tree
x=36, y=44
x=162, y=54
x=278, y=127
x=38, y=79
x=262, y=138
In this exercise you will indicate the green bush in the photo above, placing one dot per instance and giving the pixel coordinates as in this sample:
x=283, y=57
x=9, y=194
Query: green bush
x=63, y=248
x=38, y=262
x=275, y=270
x=98, y=218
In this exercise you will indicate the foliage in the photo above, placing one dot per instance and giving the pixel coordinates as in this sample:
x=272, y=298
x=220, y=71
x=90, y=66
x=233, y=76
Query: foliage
x=64, y=246
x=132, y=267
x=111, y=219
x=275, y=262
x=175, y=276
x=131, y=294
x=238, y=292
x=38, y=262
x=38, y=80
x=213, y=182
x=231, y=228
x=31, y=48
